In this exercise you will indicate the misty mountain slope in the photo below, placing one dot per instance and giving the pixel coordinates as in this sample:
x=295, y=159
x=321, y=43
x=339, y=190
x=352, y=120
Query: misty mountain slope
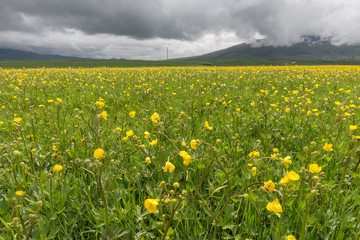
x=323, y=50
x=19, y=55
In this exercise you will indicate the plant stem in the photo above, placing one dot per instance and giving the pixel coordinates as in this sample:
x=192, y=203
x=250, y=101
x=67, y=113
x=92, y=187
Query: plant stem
x=304, y=225
x=170, y=220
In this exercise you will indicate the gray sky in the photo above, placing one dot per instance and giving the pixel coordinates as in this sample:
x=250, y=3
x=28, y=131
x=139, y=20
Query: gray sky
x=142, y=29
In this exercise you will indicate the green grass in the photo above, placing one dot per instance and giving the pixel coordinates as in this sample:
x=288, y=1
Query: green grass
x=51, y=117
x=164, y=63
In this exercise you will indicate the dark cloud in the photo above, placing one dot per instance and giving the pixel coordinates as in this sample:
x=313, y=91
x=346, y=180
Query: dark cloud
x=143, y=22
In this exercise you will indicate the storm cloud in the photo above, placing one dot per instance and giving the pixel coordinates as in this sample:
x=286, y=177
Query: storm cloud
x=143, y=28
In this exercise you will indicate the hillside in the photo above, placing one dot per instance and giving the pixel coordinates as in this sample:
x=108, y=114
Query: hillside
x=321, y=50
x=19, y=55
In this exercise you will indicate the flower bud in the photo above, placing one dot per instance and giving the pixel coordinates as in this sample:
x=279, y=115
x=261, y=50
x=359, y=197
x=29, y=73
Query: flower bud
x=176, y=185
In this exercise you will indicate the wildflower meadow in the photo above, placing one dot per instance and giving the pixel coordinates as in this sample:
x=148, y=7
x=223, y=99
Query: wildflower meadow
x=180, y=153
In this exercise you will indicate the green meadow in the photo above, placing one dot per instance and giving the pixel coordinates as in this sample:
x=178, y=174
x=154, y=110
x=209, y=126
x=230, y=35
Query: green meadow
x=130, y=150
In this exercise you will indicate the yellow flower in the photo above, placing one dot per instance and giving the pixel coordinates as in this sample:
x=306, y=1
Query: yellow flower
x=147, y=135
x=193, y=144
x=169, y=166
x=286, y=161
x=117, y=129
x=151, y=205
x=59, y=100
x=19, y=193
x=337, y=103
x=103, y=115
x=155, y=117
x=183, y=144
x=148, y=160
x=293, y=176
x=207, y=125
x=274, y=206
x=58, y=167
x=252, y=104
x=17, y=119
x=254, y=170
x=290, y=237
x=186, y=157
x=353, y=127
x=1, y=123
x=50, y=101
x=16, y=152
x=100, y=104
x=218, y=140
x=287, y=110
x=269, y=185
x=254, y=154
x=154, y=142
x=314, y=168
x=132, y=114
x=327, y=147
x=129, y=133
x=99, y=153
x=285, y=180
x=275, y=150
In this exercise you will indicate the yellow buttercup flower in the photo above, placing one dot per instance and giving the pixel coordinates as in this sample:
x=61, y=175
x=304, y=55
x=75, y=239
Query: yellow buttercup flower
x=186, y=158
x=254, y=154
x=148, y=160
x=1, y=123
x=169, y=167
x=129, y=133
x=103, y=115
x=154, y=142
x=151, y=205
x=155, y=117
x=207, y=126
x=353, y=127
x=328, y=147
x=58, y=167
x=285, y=180
x=16, y=152
x=269, y=185
x=290, y=237
x=293, y=176
x=132, y=114
x=193, y=144
x=147, y=135
x=314, y=168
x=17, y=119
x=274, y=206
x=100, y=104
x=286, y=161
x=19, y=193
x=99, y=153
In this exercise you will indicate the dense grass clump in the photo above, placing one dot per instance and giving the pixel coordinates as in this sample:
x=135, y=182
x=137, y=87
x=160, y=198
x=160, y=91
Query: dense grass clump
x=180, y=153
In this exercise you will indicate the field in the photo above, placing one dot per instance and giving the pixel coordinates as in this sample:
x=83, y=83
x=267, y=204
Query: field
x=180, y=153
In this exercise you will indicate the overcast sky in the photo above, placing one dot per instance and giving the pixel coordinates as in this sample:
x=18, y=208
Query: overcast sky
x=142, y=29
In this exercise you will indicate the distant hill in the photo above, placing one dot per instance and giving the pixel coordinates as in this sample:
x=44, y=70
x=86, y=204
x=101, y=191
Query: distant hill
x=306, y=50
x=19, y=55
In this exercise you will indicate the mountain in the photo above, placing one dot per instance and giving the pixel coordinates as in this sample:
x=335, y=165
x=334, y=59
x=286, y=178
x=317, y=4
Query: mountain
x=19, y=55
x=306, y=50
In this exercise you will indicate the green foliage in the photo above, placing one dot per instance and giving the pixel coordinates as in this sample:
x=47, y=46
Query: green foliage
x=53, y=120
